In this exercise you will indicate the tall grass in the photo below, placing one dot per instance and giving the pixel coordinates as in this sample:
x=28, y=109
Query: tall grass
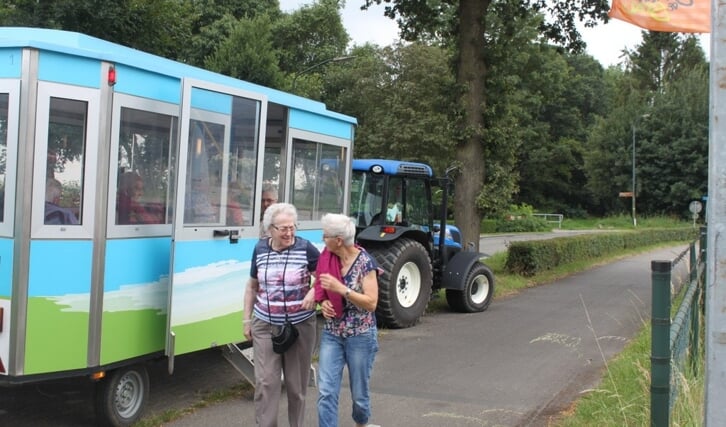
x=623, y=396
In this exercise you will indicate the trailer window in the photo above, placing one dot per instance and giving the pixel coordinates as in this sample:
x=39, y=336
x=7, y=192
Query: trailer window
x=221, y=167
x=144, y=161
x=4, y=101
x=317, y=186
x=65, y=161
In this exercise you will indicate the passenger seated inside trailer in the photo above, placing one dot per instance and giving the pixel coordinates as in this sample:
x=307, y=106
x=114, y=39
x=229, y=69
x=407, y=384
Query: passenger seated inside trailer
x=235, y=212
x=54, y=213
x=130, y=207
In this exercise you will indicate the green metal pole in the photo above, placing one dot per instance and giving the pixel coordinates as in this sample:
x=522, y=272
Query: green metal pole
x=703, y=245
x=660, y=352
x=692, y=258
x=695, y=307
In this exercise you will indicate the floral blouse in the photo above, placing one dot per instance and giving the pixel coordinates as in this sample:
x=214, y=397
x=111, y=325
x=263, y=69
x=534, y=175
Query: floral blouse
x=355, y=320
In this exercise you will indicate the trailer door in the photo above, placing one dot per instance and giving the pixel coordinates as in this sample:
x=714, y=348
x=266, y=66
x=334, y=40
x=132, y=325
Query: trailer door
x=214, y=233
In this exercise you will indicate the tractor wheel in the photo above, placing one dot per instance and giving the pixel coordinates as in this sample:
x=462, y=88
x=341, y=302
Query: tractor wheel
x=121, y=397
x=477, y=293
x=404, y=288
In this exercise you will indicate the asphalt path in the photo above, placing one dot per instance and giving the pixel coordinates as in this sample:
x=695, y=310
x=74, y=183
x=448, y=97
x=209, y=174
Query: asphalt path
x=524, y=359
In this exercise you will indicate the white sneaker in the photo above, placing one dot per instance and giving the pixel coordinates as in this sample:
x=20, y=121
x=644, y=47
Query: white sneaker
x=372, y=425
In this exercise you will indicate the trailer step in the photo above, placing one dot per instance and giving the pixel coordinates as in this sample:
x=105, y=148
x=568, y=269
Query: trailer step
x=242, y=359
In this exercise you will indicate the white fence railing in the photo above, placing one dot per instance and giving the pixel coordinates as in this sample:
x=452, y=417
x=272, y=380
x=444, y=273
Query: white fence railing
x=553, y=218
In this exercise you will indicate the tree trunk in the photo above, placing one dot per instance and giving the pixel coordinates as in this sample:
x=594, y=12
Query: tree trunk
x=471, y=74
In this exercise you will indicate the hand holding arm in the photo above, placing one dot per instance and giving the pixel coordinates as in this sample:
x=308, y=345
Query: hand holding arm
x=308, y=302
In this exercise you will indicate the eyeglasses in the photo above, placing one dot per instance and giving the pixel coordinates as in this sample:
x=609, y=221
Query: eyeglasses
x=269, y=200
x=285, y=229
x=329, y=236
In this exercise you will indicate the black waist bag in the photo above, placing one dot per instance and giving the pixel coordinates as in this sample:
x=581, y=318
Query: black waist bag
x=285, y=338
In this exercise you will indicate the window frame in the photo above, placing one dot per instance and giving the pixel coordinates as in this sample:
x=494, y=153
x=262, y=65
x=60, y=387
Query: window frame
x=152, y=106
x=12, y=89
x=295, y=135
x=47, y=91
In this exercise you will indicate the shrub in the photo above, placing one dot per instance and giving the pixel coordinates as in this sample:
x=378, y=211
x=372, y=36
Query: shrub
x=488, y=226
x=532, y=257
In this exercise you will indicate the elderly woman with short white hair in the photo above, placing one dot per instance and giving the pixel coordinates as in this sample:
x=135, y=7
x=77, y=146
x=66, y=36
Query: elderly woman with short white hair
x=279, y=292
x=346, y=287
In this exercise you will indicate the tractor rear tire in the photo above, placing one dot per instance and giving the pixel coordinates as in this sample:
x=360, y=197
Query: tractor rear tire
x=404, y=288
x=477, y=293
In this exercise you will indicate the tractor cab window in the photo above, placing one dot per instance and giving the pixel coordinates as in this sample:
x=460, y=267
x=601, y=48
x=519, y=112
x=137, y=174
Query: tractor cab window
x=366, y=197
x=407, y=202
x=394, y=207
x=417, y=203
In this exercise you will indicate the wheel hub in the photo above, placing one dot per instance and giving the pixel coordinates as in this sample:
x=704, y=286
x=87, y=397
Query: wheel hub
x=408, y=285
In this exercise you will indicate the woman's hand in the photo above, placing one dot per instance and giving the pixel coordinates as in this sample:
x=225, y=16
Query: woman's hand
x=332, y=284
x=248, y=329
x=308, y=302
x=326, y=307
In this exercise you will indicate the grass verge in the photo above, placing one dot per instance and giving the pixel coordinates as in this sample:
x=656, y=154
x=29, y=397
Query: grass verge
x=239, y=391
x=623, y=396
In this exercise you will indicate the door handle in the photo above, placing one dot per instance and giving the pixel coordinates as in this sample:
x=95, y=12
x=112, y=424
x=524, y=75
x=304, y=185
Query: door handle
x=233, y=235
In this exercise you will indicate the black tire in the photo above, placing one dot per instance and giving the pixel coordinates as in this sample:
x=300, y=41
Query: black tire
x=477, y=293
x=404, y=288
x=122, y=396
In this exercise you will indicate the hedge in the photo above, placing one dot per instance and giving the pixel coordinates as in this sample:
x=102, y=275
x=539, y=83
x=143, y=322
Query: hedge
x=528, y=258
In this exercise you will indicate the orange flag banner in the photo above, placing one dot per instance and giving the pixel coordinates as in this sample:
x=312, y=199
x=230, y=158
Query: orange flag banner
x=676, y=16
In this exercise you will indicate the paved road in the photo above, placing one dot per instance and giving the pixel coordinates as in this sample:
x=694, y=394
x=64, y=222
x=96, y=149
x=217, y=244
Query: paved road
x=523, y=359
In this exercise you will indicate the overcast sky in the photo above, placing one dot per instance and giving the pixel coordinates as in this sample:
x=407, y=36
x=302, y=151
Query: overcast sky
x=605, y=42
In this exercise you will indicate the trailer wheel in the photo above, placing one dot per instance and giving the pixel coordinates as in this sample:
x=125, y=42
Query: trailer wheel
x=121, y=397
x=477, y=293
x=404, y=288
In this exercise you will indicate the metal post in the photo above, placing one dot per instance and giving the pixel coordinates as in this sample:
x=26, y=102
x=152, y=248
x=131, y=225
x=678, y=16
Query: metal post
x=703, y=249
x=695, y=310
x=660, y=347
x=635, y=122
x=635, y=221
x=715, y=288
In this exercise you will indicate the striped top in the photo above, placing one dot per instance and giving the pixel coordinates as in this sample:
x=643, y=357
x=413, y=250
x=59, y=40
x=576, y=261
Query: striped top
x=289, y=269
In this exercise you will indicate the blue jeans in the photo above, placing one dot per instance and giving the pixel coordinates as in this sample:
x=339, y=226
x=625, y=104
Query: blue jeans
x=358, y=352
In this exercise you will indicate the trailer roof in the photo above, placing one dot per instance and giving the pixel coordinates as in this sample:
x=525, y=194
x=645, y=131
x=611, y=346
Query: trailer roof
x=91, y=47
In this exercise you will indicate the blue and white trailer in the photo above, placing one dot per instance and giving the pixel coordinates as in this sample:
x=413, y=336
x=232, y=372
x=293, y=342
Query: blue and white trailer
x=157, y=169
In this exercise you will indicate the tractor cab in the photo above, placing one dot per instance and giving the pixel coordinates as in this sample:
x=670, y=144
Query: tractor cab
x=387, y=192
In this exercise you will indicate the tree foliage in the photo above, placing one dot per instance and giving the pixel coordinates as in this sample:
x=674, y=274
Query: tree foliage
x=156, y=26
x=467, y=28
x=402, y=96
x=497, y=87
x=248, y=53
x=660, y=104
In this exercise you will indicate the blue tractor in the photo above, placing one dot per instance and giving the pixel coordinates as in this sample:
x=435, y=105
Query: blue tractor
x=399, y=224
